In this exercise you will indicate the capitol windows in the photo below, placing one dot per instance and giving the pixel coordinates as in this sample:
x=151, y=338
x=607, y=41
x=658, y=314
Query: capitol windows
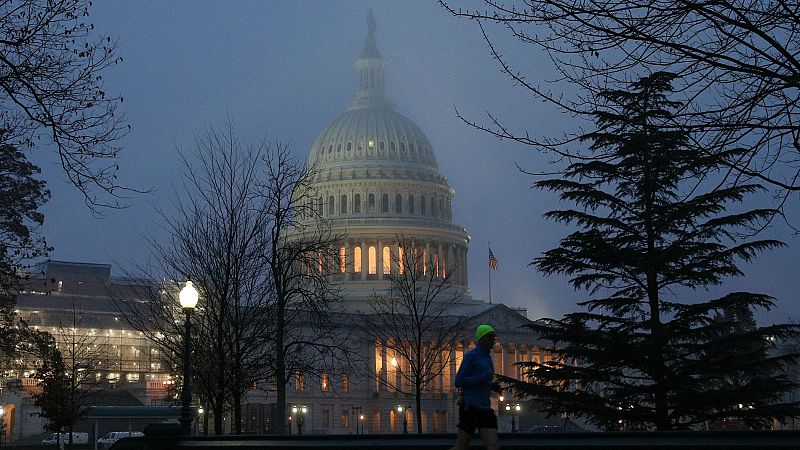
x=373, y=260
x=441, y=206
x=371, y=143
x=433, y=206
x=411, y=204
x=342, y=259
x=422, y=204
x=330, y=205
x=398, y=203
x=357, y=260
x=339, y=147
x=343, y=204
x=381, y=145
x=435, y=265
x=387, y=260
x=403, y=148
x=319, y=206
x=391, y=146
x=357, y=203
x=349, y=146
x=371, y=203
x=385, y=203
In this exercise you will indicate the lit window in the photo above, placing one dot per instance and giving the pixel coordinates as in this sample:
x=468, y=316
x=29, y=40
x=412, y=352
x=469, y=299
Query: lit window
x=373, y=261
x=342, y=259
x=324, y=382
x=357, y=260
x=299, y=381
x=345, y=382
x=387, y=260
x=345, y=418
x=424, y=261
x=371, y=144
x=320, y=258
x=435, y=265
x=401, y=261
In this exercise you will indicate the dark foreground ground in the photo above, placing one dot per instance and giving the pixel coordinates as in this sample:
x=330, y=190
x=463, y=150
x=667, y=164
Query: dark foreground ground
x=738, y=440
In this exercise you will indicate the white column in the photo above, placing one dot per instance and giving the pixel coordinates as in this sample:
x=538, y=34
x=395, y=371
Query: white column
x=364, y=260
x=380, y=259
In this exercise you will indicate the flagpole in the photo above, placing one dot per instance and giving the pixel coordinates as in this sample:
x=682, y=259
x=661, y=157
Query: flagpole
x=489, y=268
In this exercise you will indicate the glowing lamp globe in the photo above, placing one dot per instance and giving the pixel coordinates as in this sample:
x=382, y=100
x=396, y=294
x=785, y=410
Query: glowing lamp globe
x=188, y=296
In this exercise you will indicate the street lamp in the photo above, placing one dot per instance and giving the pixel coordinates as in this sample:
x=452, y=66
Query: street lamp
x=300, y=418
x=401, y=410
x=188, y=298
x=358, y=415
x=514, y=411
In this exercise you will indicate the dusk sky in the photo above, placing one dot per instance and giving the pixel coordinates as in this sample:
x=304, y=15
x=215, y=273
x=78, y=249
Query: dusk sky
x=283, y=70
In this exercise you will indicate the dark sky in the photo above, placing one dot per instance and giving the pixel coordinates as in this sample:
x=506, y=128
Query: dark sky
x=284, y=69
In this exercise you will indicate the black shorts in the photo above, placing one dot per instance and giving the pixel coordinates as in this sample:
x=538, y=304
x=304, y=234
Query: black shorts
x=470, y=418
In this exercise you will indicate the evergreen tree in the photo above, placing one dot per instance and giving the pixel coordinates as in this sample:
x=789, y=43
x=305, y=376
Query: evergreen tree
x=653, y=234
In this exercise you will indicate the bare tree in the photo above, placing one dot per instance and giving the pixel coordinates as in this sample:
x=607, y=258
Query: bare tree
x=217, y=238
x=84, y=355
x=738, y=62
x=414, y=321
x=51, y=85
x=300, y=257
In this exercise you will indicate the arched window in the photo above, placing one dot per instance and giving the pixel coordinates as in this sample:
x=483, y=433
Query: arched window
x=357, y=203
x=411, y=204
x=343, y=204
x=371, y=203
x=387, y=260
x=342, y=259
x=349, y=146
x=433, y=206
x=319, y=206
x=373, y=260
x=441, y=206
x=385, y=203
x=330, y=206
x=398, y=203
x=422, y=204
x=357, y=260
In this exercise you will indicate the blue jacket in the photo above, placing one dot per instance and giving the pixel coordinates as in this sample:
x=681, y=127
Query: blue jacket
x=474, y=378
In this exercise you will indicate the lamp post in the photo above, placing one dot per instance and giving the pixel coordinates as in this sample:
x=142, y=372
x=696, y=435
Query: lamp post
x=188, y=298
x=514, y=411
x=301, y=417
x=402, y=410
x=358, y=415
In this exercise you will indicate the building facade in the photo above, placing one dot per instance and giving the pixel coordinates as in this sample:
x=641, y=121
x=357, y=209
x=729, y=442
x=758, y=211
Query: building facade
x=377, y=182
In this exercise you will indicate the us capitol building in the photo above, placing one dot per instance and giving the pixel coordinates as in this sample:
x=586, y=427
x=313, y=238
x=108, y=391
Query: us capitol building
x=377, y=180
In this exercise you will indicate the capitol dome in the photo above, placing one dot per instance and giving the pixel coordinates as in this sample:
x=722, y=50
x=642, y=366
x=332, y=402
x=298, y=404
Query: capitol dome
x=377, y=183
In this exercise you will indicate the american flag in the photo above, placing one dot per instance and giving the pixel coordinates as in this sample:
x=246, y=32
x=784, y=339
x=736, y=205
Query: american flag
x=492, y=260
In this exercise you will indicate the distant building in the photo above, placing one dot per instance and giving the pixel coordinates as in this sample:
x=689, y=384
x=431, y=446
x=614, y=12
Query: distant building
x=378, y=180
